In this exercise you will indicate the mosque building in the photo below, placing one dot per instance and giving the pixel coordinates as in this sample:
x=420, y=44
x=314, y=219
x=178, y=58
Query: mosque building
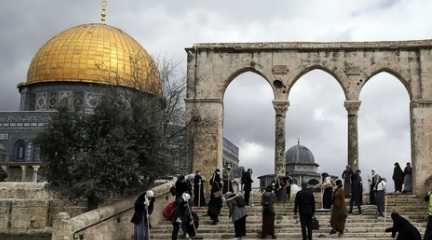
x=74, y=68
x=300, y=164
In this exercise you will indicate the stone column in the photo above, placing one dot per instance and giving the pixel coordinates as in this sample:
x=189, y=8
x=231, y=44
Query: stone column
x=421, y=143
x=280, y=109
x=352, y=107
x=35, y=173
x=23, y=173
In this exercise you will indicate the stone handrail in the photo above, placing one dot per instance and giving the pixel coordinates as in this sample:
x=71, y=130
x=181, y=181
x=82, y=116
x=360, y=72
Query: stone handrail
x=110, y=222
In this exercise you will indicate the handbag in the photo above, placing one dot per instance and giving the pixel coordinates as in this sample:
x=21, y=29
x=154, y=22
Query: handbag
x=168, y=211
x=315, y=224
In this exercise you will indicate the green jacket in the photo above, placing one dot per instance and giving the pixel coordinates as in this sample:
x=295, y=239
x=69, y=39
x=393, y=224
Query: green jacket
x=428, y=198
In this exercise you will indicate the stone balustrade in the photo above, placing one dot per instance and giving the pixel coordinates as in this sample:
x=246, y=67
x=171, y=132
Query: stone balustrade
x=21, y=171
x=110, y=222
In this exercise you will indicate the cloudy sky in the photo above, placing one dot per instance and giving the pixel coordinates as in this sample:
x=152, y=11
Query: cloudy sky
x=316, y=114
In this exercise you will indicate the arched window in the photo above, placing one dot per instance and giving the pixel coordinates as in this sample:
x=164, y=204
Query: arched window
x=20, y=149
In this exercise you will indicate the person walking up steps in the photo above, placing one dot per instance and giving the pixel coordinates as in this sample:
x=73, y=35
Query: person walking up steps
x=356, y=191
x=215, y=203
x=380, y=196
x=339, y=212
x=237, y=212
x=346, y=176
x=268, y=214
x=398, y=177
x=305, y=205
x=247, y=181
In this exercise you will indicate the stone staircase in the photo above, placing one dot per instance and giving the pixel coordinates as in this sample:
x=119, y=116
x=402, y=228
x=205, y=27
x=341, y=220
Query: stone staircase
x=358, y=227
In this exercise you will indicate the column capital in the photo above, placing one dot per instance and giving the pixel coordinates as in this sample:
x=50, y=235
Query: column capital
x=280, y=107
x=352, y=106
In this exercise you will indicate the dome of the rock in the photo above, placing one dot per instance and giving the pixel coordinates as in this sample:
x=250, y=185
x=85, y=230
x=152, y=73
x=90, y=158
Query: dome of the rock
x=96, y=54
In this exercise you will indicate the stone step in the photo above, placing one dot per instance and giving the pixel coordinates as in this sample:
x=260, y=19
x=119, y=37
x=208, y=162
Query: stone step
x=358, y=227
x=294, y=235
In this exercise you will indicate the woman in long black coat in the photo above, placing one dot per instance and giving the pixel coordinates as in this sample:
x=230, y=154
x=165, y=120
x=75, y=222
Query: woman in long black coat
x=140, y=219
x=398, y=177
x=215, y=203
x=199, y=199
x=406, y=230
x=268, y=214
x=356, y=191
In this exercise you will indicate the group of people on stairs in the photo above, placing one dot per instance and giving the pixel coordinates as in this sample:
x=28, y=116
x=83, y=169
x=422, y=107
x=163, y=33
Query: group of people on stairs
x=184, y=219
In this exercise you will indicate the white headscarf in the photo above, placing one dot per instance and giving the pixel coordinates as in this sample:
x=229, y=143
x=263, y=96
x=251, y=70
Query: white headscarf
x=186, y=197
x=149, y=194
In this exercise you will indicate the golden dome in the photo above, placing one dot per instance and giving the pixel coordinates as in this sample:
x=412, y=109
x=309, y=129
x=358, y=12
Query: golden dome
x=95, y=53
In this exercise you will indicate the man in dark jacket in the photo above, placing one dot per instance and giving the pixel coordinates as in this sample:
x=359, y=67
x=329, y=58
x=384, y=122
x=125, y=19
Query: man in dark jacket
x=406, y=230
x=305, y=206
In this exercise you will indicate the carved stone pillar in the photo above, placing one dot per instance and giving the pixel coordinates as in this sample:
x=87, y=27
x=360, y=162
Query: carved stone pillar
x=23, y=173
x=280, y=109
x=35, y=173
x=352, y=108
x=204, y=135
x=421, y=143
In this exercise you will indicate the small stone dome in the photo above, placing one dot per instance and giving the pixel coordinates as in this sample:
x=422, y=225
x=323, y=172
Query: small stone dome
x=299, y=155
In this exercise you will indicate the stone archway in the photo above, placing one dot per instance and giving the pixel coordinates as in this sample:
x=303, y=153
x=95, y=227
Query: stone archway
x=212, y=66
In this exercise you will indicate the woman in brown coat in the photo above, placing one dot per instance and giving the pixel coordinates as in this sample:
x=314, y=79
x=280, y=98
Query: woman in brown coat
x=339, y=212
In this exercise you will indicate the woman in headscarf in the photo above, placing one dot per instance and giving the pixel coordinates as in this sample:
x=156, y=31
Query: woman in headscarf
x=185, y=218
x=268, y=214
x=346, y=176
x=356, y=191
x=339, y=212
x=398, y=177
x=327, y=185
x=407, y=178
x=215, y=203
x=141, y=216
x=237, y=211
x=380, y=195
x=405, y=230
x=199, y=199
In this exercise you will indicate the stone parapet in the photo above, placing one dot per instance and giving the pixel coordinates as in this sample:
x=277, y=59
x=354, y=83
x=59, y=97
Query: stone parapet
x=263, y=46
x=24, y=190
x=109, y=222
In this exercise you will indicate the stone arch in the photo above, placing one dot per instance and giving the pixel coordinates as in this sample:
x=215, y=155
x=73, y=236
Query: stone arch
x=241, y=71
x=390, y=71
x=309, y=69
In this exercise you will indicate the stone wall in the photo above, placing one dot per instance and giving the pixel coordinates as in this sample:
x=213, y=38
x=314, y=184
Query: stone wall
x=109, y=222
x=28, y=208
